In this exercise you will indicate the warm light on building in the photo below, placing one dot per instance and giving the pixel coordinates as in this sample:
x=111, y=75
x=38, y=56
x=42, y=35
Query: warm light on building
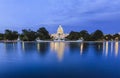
x=60, y=30
x=60, y=35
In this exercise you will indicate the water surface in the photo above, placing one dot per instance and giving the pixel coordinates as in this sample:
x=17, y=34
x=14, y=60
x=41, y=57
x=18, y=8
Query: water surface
x=60, y=59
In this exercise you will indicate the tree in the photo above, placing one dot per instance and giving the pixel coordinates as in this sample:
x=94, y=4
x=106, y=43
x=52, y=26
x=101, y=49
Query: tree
x=43, y=34
x=73, y=35
x=85, y=35
x=97, y=35
x=11, y=35
x=1, y=36
x=28, y=35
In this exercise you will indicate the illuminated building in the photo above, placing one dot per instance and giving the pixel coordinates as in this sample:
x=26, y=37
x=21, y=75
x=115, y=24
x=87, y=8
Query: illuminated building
x=60, y=35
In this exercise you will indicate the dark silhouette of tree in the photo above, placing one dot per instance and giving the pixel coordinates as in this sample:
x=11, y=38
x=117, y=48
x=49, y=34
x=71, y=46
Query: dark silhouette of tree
x=43, y=34
x=10, y=35
x=73, y=35
x=97, y=35
x=1, y=36
x=28, y=35
x=85, y=35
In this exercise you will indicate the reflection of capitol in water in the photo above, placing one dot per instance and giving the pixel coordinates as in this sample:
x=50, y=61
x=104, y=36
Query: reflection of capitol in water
x=58, y=47
x=113, y=46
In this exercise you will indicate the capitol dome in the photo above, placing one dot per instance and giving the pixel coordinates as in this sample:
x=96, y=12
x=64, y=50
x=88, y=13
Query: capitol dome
x=60, y=30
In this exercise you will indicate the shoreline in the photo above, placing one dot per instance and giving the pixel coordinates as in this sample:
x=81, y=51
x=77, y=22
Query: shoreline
x=15, y=41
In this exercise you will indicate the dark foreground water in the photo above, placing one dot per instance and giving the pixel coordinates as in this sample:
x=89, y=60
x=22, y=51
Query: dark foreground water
x=60, y=60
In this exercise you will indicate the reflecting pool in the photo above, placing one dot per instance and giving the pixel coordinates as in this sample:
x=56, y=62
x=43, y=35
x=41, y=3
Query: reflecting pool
x=60, y=59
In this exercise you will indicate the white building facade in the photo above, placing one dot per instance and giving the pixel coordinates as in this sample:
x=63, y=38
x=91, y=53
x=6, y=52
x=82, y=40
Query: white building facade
x=60, y=35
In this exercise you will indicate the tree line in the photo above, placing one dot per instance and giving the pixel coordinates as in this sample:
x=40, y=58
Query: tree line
x=43, y=34
x=26, y=35
x=97, y=35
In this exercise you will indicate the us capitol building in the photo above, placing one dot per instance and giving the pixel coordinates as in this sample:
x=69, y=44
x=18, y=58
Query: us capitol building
x=60, y=35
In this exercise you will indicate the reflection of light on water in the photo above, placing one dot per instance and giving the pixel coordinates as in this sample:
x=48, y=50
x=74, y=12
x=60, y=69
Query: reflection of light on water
x=18, y=46
x=81, y=48
x=99, y=47
x=106, y=48
x=23, y=46
x=116, y=48
x=5, y=45
x=103, y=46
x=38, y=46
x=58, y=47
x=10, y=46
x=52, y=45
x=111, y=46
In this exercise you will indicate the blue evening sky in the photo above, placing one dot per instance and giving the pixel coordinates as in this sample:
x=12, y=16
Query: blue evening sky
x=72, y=14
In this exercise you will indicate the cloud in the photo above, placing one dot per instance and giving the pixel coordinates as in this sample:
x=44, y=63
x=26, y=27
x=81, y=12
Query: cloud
x=26, y=13
x=86, y=8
